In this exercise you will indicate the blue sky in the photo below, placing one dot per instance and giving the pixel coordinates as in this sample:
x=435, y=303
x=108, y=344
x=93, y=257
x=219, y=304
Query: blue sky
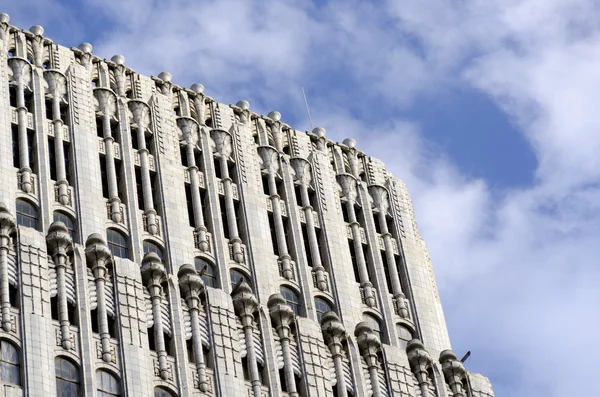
x=487, y=109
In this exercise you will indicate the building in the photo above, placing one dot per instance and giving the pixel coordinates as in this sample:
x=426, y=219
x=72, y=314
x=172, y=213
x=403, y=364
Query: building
x=156, y=242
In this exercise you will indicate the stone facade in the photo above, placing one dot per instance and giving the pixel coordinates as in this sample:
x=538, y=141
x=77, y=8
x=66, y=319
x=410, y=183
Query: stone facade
x=153, y=240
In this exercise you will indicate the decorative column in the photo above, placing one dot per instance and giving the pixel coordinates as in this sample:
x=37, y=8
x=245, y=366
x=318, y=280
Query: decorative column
x=7, y=229
x=116, y=63
x=273, y=121
x=35, y=34
x=454, y=372
x=420, y=362
x=84, y=51
x=223, y=146
x=59, y=246
x=303, y=177
x=245, y=304
x=57, y=88
x=320, y=141
x=369, y=346
x=191, y=286
x=98, y=259
x=4, y=27
x=282, y=316
x=348, y=184
x=153, y=277
x=21, y=77
x=141, y=121
x=380, y=201
x=196, y=94
x=334, y=335
x=189, y=136
x=352, y=155
x=242, y=109
x=270, y=163
x=107, y=107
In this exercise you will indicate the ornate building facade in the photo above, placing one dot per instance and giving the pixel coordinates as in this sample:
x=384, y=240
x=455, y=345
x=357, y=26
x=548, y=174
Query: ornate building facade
x=156, y=242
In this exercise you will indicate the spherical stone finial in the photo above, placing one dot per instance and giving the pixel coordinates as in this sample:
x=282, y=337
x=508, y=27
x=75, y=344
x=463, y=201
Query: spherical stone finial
x=96, y=248
x=319, y=131
x=37, y=30
x=118, y=59
x=165, y=76
x=350, y=142
x=244, y=105
x=7, y=220
x=4, y=18
x=197, y=88
x=275, y=115
x=86, y=48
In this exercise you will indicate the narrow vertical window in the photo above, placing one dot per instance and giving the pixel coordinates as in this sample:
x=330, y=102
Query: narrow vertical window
x=67, y=378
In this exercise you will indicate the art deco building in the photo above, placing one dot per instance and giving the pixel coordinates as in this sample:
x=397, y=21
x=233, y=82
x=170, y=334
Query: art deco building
x=156, y=242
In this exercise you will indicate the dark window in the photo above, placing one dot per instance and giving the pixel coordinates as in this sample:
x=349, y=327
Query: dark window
x=322, y=307
x=386, y=270
x=134, y=138
x=67, y=158
x=189, y=344
x=107, y=385
x=27, y=214
x=190, y=205
x=354, y=261
x=120, y=184
x=154, y=190
x=46, y=65
x=30, y=150
x=52, y=158
x=376, y=220
x=49, y=107
x=160, y=392
x=309, y=260
x=235, y=276
x=273, y=234
x=223, y=209
x=283, y=381
x=99, y=127
x=298, y=191
x=217, y=163
x=13, y=96
x=10, y=363
x=68, y=221
x=177, y=111
x=292, y=299
x=209, y=277
x=117, y=243
x=151, y=341
x=15, y=146
x=183, y=153
x=28, y=96
x=139, y=188
x=67, y=378
x=345, y=212
x=265, y=184
x=104, y=176
x=11, y=52
x=54, y=307
x=63, y=113
x=151, y=247
x=115, y=132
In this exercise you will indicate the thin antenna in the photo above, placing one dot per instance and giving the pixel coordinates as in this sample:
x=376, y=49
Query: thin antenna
x=307, y=109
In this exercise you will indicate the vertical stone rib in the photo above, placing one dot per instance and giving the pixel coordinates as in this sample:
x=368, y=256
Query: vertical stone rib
x=303, y=177
x=21, y=71
x=380, y=199
x=59, y=245
x=245, y=304
x=270, y=159
x=141, y=118
x=57, y=89
x=98, y=257
x=7, y=228
x=369, y=347
x=334, y=334
x=282, y=315
x=223, y=143
x=107, y=107
x=153, y=276
x=348, y=185
x=191, y=286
